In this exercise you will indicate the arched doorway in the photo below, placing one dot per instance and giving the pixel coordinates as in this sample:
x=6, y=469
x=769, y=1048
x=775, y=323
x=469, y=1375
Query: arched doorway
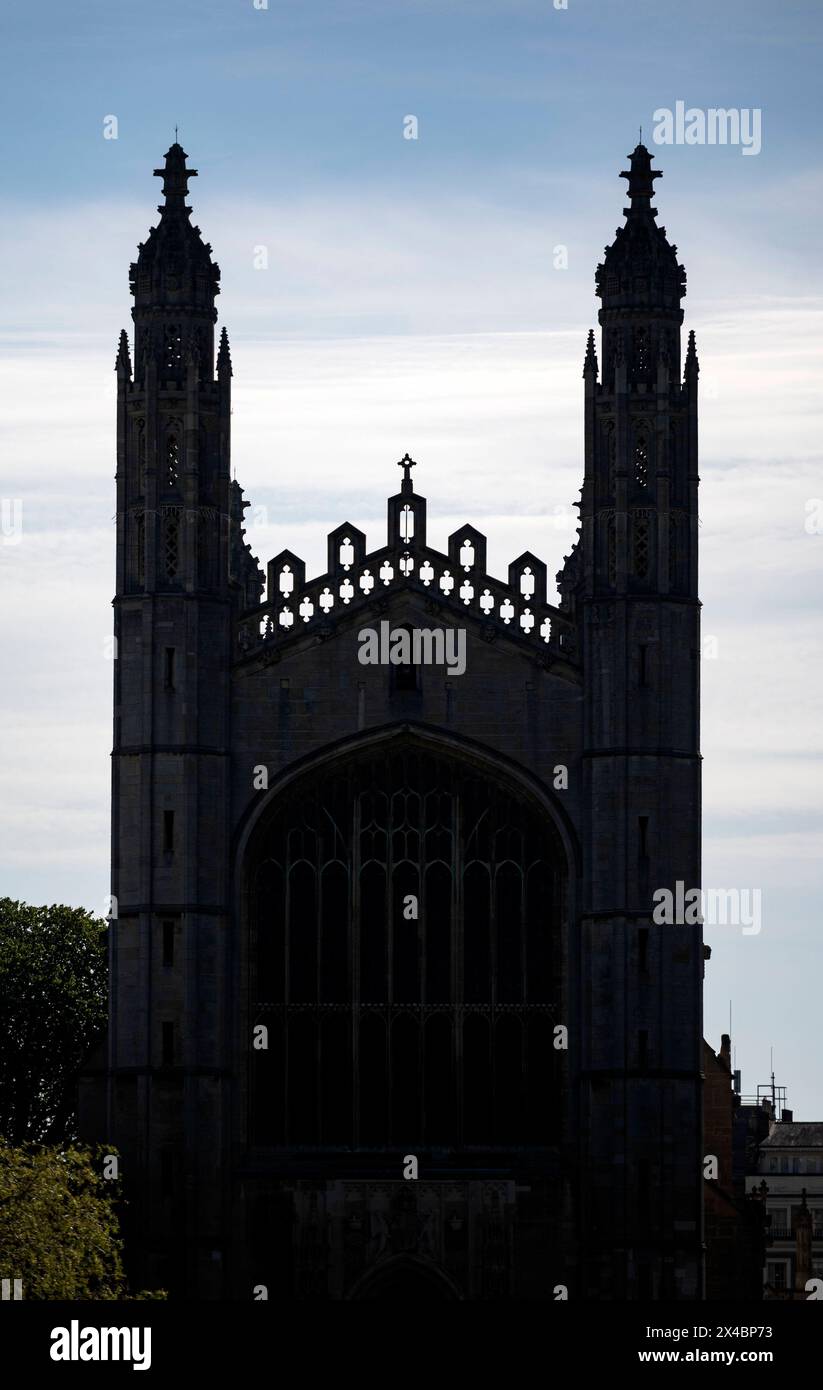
x=406, y=906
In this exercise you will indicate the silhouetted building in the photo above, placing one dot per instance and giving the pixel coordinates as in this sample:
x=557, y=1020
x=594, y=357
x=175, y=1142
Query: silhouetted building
x=735, y=1222
x=412, y=879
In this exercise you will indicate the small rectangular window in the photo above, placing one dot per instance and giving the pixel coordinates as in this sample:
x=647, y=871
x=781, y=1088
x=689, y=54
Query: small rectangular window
x=169, y=668
x=168, y=831
x=168, y=1045
x=643, y=1049
x=168, y=942
x=642, y=836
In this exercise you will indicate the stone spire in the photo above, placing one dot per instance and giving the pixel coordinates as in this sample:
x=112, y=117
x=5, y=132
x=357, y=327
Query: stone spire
x=590, y=360
x=692, y=367
x=123, y=359
x=640, y=284
x=175, y=281
x=224, y=355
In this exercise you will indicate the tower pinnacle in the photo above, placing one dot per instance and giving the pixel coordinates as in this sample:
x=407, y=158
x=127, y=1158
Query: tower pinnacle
x=174, y=281
x=590, y=360
x=224, y=354
x=641, y=177
x=175, y=176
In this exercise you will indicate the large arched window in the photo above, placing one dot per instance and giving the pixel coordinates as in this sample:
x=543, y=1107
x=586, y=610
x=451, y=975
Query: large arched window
x=405, y=927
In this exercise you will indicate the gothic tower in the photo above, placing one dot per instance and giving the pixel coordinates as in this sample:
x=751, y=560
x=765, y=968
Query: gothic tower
x=637, y=596
x=175, y=592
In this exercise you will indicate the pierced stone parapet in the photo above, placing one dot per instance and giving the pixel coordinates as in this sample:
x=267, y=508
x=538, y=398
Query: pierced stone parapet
x=456, y=583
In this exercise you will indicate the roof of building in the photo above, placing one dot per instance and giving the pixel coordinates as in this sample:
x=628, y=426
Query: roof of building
x=798, y=1134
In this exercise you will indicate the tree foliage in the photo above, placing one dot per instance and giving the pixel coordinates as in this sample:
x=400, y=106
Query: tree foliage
x=53, y=984
x=59, y=1231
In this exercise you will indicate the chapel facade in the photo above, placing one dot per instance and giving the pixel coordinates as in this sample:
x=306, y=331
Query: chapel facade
x=376, y=913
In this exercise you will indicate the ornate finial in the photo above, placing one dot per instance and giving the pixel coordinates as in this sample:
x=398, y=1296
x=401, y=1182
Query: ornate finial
x=590, y=360
x=641, y=177
x=224, y=355
x=123, y=360
x=407, y=464
x=175, y=176
x=691, y=366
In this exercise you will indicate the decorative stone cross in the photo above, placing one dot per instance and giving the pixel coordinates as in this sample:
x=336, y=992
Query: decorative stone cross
x=407, y=464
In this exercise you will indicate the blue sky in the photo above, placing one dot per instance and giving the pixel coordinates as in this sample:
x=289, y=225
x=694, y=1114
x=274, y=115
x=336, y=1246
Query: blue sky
x=410, y=302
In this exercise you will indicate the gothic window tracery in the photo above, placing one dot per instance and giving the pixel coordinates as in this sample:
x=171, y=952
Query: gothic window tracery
x=172, y=348
x=405, y=923
x=641, y=546
x=641, y=458
x=641, y=349
x=171, y=542
x=173, y=454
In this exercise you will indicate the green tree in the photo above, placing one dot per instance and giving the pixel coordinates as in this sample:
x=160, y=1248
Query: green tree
x=59, y=1231
x=53, y=985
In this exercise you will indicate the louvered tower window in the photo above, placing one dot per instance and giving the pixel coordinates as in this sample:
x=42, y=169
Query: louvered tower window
x=171, y=544
x=172, y=458
x=641, y=547
x=641, y=460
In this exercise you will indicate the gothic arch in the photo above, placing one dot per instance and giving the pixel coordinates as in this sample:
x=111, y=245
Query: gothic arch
x=383, y=1030
x=427, y=737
